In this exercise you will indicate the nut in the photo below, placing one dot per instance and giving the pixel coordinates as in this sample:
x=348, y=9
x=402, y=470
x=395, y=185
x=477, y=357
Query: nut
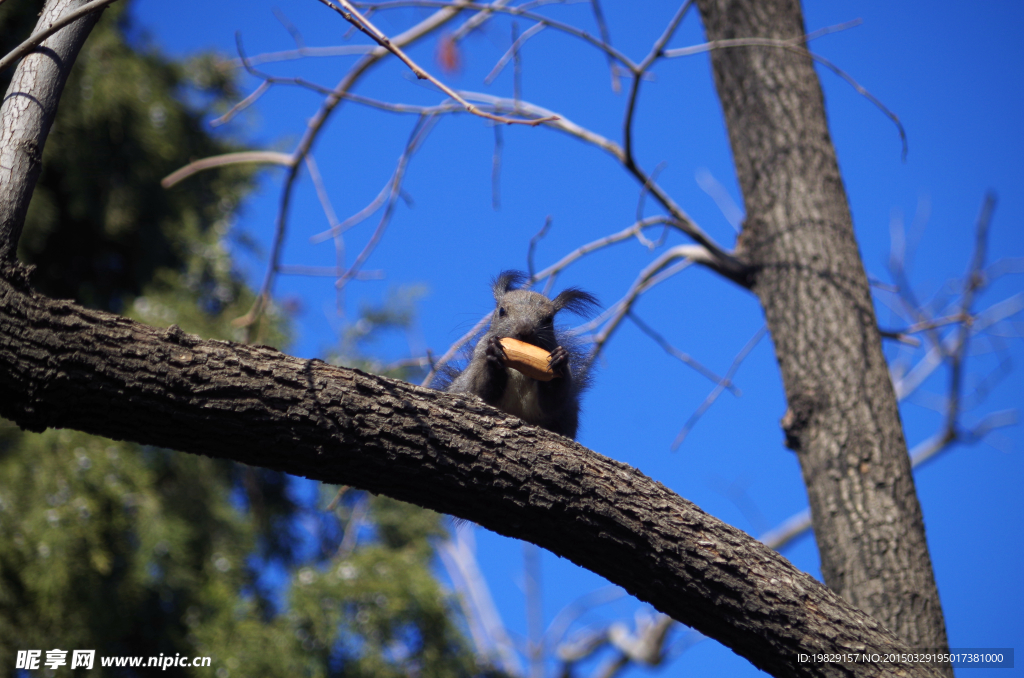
x=531, y=360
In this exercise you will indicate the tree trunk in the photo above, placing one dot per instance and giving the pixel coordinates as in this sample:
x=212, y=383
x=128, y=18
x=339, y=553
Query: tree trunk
x=843, y=421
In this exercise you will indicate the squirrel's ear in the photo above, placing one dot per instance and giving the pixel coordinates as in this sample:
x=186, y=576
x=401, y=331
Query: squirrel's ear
x=576, y=301
x=506, y=282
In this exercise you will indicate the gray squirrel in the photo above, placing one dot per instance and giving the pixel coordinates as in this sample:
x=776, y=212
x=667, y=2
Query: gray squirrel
x=529, y=317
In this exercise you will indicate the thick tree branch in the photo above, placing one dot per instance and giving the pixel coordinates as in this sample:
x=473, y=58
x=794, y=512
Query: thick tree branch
x=65, y=366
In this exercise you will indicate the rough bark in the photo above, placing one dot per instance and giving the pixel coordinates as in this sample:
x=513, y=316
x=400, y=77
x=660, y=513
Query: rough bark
x=843, y=420
x=65, y=366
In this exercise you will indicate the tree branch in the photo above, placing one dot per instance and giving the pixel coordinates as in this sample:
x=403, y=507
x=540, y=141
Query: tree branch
x=65, y=366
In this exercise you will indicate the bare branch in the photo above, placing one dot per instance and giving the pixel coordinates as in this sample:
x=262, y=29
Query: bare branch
x=321, y=190
x=606, y=38
x=488, y=630
x=718, y=259
x=533, y=246
x=303, y=53
x=657, y=50
x=499, y=7
x=499, y=146
x=419, y=134
x=240, y=158
x=972, y=282
x=717, y=391
x=685, y=358
x=242, y=105
x=512, y=51
x=716, y=191
x=352, y=15
x=392, y=188
x=315, y=125
x=690, y=254
x=796, y=45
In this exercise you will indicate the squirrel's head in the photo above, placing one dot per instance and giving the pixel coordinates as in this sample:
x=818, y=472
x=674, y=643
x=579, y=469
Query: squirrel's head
x=530, y=316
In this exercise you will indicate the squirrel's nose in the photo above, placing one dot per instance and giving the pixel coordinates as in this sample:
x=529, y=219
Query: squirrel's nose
x=523, y=331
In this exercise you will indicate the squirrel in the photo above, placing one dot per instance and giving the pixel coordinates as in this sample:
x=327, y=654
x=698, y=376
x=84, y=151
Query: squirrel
x=529, y=317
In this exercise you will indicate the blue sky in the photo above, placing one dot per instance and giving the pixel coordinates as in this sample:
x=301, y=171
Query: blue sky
x=951, y=73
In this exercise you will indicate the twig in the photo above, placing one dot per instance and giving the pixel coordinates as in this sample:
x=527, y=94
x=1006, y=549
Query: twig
x=321, y=191
x=534, y=609
x=560, y=122
x=499, y=146
x=717, y=391
x=690, y=254
x=657, y=50
x=497, y=7
x=472, y=23
x=352, y=15
x=242, y=105
x=533, y=246
x=645, y=188
x=568, y=615
x=685, y=358
x=972, y=283
x=387, y=193
x=419, y=134
x=795, y=45
x=356, y=520
x=719, y=259
x=243, y=157
x=513, y=52
x=461, y=564
x=313, y=128
x=290, y=27
x=717, y=192
x=901, y=337
x=305, y=52
x=606, y=38
x=455, y=348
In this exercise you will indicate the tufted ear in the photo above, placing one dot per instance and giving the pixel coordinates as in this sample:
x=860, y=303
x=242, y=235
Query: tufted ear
x=576, y=301
x=506, y=282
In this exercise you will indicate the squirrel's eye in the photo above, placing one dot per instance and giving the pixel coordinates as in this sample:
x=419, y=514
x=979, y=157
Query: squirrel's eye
x=501, y=311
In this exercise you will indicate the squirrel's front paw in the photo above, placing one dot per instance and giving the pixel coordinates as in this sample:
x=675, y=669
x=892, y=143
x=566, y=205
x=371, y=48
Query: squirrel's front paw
x=559, y=362
x=495, y=353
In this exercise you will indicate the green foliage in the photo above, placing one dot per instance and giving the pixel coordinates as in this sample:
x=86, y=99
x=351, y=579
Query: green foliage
x=393, y=619
x=373, y=608
x=104, y=546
